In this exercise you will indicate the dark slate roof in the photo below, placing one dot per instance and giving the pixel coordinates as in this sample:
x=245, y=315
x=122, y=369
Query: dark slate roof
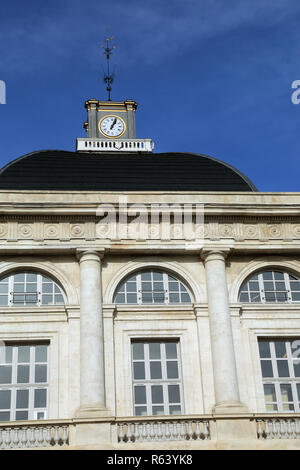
x=88, y=171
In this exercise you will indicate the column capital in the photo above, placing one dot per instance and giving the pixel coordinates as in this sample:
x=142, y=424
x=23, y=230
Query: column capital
x=90, y=254
x=213, y=254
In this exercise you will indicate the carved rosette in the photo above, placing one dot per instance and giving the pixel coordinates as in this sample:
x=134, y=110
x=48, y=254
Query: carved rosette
x=25, y=231
x=274, y=231
x=77, y=230
x=51, y=231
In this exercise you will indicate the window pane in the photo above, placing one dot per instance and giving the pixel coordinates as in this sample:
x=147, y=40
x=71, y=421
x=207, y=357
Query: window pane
x=47, y=299
x=173, y=286
x=31, y=299
x=244, y=287
x=4, y=415
x=286, y=392
x=267, y=275
x=21, y=415
x=254, y=286
x=295, y=285
x=138, y=350
x=58, y=299
x=158, y=410
x=19, y=277
x=8, y=354
x=138, y=370
x=172, y=370
x=19, y=288
x=5, y=374
x=280, y=348
x=146, y=276
x=154, y=350
x=269, y=391
x=264, y=349
x=267, y=369
x=47, y=288
x=174, y=395
x=159, y=297
x=146, y=286
x=296, y=296
x=31, y=288
x=174, y=298
x=22, y=398
x=147, y=298
x=157, y=276
x=175, y=410
x=283, y=369
x=271, y=407
x=185, y=298
x=131, y=287
x=120, y=299
x=244, y=297
x=40, y=398
x=5, y=399
x=280, y=286
x=155, y=370
x=158, y=286
x=131, y=298
x=297, y=369
x=3, y=288
x=278, y=276
x=270, y=296
x=40, y=374
x=41, y=353
x=3, y=300
x=139, y=394
x=255, y=297
x=171, y=350
x=23, y=353
x=31, y=277
x=288, y=407
x=23, y=374
x=140, y=411
x=157, y=394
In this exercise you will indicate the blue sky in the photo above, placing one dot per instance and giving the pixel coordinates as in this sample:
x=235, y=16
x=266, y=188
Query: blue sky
x=210, y=76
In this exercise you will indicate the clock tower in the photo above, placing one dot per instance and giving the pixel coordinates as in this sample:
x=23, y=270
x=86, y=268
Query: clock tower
x=110, y=125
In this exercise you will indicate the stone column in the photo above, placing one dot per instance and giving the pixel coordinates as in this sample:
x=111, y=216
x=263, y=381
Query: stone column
x=224, y=365
x=92, y=378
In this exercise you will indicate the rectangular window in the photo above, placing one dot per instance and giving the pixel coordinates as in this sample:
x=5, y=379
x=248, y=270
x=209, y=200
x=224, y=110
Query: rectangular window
x=280, y=368
x=156, y=375
x=23, y=381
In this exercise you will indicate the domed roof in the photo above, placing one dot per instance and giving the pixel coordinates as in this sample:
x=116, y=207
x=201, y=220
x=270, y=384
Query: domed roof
x=93, y=171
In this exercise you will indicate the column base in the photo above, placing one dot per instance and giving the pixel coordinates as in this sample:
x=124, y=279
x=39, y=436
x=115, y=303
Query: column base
x=230, y=407
x=91, y=412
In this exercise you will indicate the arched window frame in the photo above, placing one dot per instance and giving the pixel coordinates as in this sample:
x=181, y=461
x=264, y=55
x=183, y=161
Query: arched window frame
x=286, y=287
x=169, y=293
x=46, y=287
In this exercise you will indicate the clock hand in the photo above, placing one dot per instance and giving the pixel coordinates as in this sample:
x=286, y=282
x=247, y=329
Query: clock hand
x=114, y=122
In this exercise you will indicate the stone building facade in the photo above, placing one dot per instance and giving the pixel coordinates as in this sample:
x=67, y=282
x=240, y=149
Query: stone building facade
x=146, y=318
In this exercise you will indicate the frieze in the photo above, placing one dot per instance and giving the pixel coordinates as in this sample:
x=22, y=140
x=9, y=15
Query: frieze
x=89, y=229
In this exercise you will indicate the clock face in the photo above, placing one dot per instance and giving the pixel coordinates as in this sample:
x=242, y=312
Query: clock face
x=112, y=126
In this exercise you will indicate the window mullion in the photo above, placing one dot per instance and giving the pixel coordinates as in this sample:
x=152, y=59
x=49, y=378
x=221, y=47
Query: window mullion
x=261, y=288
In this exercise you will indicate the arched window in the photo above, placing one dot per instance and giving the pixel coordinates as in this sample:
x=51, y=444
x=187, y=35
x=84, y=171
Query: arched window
x=152, y=287
x=270, y=286
x=29, y=288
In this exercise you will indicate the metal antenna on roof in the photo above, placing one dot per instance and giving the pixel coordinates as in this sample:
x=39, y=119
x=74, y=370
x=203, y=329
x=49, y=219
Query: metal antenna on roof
x=108, y=76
